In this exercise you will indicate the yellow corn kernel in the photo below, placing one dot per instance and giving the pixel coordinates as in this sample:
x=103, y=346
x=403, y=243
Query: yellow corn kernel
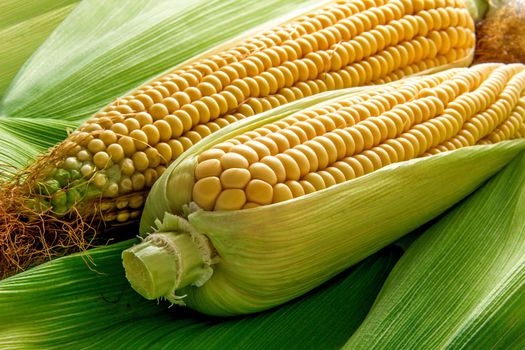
x=341, y=45
x=453, y=109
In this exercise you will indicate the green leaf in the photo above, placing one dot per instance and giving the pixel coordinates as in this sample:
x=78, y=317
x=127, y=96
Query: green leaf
x=24, y=25
x=477, y=8
x=105, y=48
x=14, y=154
x=14, y=12
x=63, y=304
x=40, y=133
x=22, y=139
x=461, y=284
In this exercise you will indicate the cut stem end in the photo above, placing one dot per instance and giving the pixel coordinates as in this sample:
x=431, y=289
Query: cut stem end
x=162, y=264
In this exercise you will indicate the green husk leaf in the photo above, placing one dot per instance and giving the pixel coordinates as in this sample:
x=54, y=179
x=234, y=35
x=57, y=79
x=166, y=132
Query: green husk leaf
x=104, y=49
x=14, y=12
x=357, y=219
x=64, y=304
x=40, y=133
x=24, y=26
x=462, y=284
x=14, y=154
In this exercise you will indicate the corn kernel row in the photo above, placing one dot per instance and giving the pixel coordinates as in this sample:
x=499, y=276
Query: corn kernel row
x=124, y=148
x=316, y=149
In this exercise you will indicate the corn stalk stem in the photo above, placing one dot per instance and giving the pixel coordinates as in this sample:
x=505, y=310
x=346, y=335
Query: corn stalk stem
x=163, y=263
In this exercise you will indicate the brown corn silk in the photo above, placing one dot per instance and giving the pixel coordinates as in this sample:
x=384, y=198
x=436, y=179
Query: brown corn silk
x=502, y=34
x=320, y=148
x=104, y=170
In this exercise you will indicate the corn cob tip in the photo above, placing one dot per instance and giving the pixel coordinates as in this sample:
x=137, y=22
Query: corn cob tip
x=40, y=212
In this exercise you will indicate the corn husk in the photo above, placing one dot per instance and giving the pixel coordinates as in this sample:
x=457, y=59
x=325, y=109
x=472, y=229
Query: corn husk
x=477, y=8
x=290, y=249
x=21, y=139
x=268, y=255
x=24, y=25
x=88, y=310
x=461, y=285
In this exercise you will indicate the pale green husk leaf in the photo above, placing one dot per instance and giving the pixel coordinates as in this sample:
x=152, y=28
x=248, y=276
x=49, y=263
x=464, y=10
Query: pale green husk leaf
x=13, y=12
x=477, y=8
x=63, y=304
x=461, y=285
x=25, y=25
x=22, y=139
x=353, y=221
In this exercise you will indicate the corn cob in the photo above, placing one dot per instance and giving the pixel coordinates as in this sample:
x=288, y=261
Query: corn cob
x=232, y=220
x=105, y=169
x=314, y=150
x=124, y=148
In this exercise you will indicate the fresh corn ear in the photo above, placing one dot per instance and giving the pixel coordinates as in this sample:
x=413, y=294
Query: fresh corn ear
x=123, y=149
x=254, y=216
x=105, y=169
